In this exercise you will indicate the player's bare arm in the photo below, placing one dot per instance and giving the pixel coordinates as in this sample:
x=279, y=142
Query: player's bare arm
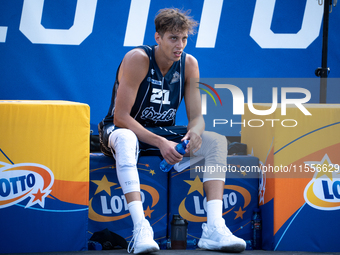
x=192, y=99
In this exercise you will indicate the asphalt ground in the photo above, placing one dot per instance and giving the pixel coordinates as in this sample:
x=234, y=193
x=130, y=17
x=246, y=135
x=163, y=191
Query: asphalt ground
x=184, y=252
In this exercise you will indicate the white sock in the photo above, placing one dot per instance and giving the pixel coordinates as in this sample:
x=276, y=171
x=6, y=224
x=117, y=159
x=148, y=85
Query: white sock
x=136, y=211
x=214, y=211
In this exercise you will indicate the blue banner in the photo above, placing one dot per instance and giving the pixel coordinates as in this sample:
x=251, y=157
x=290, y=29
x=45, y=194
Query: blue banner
x=70, y=49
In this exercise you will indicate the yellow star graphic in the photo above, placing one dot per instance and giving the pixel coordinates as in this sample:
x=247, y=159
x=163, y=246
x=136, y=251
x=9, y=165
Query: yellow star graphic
x=321, y=168
x=104, y=184
x=195, y=185
x=239, y=213
x=148, y=212
x=152, y=172
x=325, y=169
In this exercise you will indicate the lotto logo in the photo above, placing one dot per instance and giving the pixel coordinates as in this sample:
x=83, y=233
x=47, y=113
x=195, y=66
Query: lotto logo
x=21, y=181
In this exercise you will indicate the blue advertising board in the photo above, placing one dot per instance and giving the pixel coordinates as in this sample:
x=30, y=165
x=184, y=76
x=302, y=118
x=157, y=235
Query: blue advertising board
x=70, y=49
x=108, y=207
x=240, y=197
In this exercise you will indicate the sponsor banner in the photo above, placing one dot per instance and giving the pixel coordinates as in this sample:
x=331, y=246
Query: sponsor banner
x=224, y=101
x=187, y=198
x=66, y=50
x=108, y=207
x=43, y=184
x=300, y=176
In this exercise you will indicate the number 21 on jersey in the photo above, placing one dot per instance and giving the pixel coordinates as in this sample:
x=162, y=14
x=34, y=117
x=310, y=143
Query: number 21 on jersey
x=160, y=96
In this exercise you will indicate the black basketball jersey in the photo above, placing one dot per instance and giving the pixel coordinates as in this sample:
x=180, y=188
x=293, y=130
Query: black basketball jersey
x=158, y=97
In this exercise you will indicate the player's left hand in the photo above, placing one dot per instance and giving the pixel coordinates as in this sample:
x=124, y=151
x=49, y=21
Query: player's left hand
x=195, y=141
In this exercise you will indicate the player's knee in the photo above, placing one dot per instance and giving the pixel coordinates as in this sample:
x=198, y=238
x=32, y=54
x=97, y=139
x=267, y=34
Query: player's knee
x=125, y=144
x=123, y=137
x=216, y=142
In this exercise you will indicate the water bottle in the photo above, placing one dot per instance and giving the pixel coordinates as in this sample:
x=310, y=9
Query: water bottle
x=180, y=148
x=179, y=231
x=257, y=229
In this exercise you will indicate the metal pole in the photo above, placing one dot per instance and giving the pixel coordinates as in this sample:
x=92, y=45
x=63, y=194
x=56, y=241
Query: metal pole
x=324, y=70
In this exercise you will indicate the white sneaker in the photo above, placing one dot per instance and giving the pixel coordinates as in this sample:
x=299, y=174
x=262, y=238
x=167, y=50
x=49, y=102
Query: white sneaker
x=142, y=239
x=220, y=238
